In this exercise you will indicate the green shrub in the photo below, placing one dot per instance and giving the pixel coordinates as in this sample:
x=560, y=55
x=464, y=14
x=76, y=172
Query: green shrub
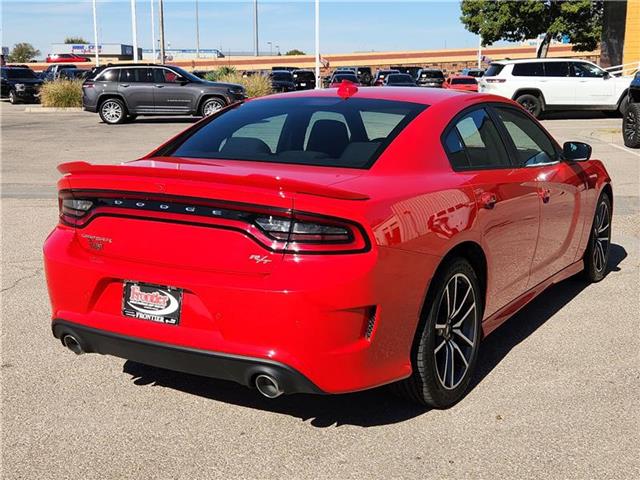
x=255, y=85
x=61, y=93
x=215, y=75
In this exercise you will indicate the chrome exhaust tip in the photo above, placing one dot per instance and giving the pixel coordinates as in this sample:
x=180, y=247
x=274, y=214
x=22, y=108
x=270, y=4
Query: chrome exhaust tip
x=73, y=344
x=268, y=386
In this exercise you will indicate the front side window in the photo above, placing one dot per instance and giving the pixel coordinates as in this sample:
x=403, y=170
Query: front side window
x=481, y=140
x=533, y=146
x=587, y=70
x=315, y=131
x=163, y=75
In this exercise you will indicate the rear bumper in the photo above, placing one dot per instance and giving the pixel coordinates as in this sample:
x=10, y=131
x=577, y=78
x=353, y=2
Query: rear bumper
x=224, y=366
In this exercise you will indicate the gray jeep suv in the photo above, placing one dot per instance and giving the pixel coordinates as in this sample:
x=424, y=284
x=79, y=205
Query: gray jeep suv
x=122, y=92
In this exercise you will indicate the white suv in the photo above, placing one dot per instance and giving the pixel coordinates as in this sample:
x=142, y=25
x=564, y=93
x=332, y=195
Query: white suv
x=556, y=84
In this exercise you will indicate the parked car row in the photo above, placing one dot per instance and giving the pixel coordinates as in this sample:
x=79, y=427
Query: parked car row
x=548, y=84
x=122, y=92
x=19, y=84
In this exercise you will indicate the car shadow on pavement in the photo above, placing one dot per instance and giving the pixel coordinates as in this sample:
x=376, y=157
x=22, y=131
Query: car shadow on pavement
x=580, y=115
x=378, y=406
x=161, y=120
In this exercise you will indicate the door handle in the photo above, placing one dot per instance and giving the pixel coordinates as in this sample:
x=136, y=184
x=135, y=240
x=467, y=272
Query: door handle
x=159, y=86
x=545, y=195
x=488, y=200
x=125, y=85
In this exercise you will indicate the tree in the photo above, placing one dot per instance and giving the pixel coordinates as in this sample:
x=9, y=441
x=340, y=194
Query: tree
x=295, y=51
x=76, y=40
x=493, y=20
x=23, y=52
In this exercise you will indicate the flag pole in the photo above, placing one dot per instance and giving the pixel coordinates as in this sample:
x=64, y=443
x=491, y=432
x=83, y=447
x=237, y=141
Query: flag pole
x=95, y=34
x=318, y=82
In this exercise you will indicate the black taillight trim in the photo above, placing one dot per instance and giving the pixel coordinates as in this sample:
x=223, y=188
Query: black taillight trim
x=236, y=211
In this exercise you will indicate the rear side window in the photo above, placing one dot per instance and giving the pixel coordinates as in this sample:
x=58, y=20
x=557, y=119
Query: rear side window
x=556, y=69
x=481, y=141
x=108, y=75
x=533, y=146
x=533, y=69
x=494, y=70
x=319, y=131
x=133, y=75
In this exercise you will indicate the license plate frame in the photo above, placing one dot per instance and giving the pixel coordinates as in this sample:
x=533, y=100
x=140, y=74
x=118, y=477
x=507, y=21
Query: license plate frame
x=152, y=302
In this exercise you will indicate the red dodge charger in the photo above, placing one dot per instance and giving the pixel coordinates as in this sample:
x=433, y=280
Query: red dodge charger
x=326, y=241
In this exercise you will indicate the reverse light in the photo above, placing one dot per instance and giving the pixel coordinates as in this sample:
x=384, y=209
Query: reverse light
x=75, y=208
x=291, y=230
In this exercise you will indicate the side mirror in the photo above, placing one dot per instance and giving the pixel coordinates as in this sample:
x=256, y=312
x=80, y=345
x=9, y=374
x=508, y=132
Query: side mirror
x=576, y=151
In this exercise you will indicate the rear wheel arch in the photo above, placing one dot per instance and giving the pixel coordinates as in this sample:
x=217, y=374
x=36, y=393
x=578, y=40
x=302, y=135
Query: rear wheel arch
x=607, y=190
x=468, y=250
x=530, y=91
x=106, y=96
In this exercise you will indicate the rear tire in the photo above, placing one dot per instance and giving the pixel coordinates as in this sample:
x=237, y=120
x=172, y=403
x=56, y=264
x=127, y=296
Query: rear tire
x=531, y=103
x=445, y=350
x=596, y=256
x=13, y=98
x=113, y=111
x=624, y=105
x=631, y=126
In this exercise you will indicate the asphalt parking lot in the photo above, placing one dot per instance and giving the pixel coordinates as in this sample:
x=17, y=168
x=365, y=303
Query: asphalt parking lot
x=556, y=394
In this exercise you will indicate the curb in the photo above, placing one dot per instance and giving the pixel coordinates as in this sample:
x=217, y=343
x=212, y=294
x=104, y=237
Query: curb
x=39, y=109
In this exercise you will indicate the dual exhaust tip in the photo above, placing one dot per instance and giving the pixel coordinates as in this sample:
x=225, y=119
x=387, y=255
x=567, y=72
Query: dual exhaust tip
x=266, y=384
x=73, y=344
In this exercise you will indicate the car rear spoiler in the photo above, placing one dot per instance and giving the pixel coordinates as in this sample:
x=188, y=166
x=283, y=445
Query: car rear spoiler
x=252, y=180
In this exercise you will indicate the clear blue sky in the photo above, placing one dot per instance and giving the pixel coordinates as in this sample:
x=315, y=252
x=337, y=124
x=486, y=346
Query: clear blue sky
x=345, y=26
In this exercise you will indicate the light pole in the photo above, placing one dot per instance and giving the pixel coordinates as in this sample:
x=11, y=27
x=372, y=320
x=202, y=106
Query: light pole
x=197, y=32
x=162, y=54
x=134, y=30
x=270, y=48
x=479, y=51
x=255, y=28
x=318, y=82
x=95, y=34
x=153, y=31
x=278, y=50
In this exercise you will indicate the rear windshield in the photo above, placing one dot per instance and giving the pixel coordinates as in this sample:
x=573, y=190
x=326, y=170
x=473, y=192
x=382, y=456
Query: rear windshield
x=400, y=77
x=431, y=74
x=304, y=75
x=463, y=81
x=318, y=131
x=494, y=70
x=338, y=77
x=19, y=73
x=282, y=76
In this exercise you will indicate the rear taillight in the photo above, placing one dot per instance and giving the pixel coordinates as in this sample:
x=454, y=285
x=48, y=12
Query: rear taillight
x=70, y=207
x=495, y=80
x=276, y=229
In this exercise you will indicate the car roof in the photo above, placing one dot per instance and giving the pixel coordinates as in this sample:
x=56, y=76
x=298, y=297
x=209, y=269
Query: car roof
x=530, y=60
x=426, y=96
